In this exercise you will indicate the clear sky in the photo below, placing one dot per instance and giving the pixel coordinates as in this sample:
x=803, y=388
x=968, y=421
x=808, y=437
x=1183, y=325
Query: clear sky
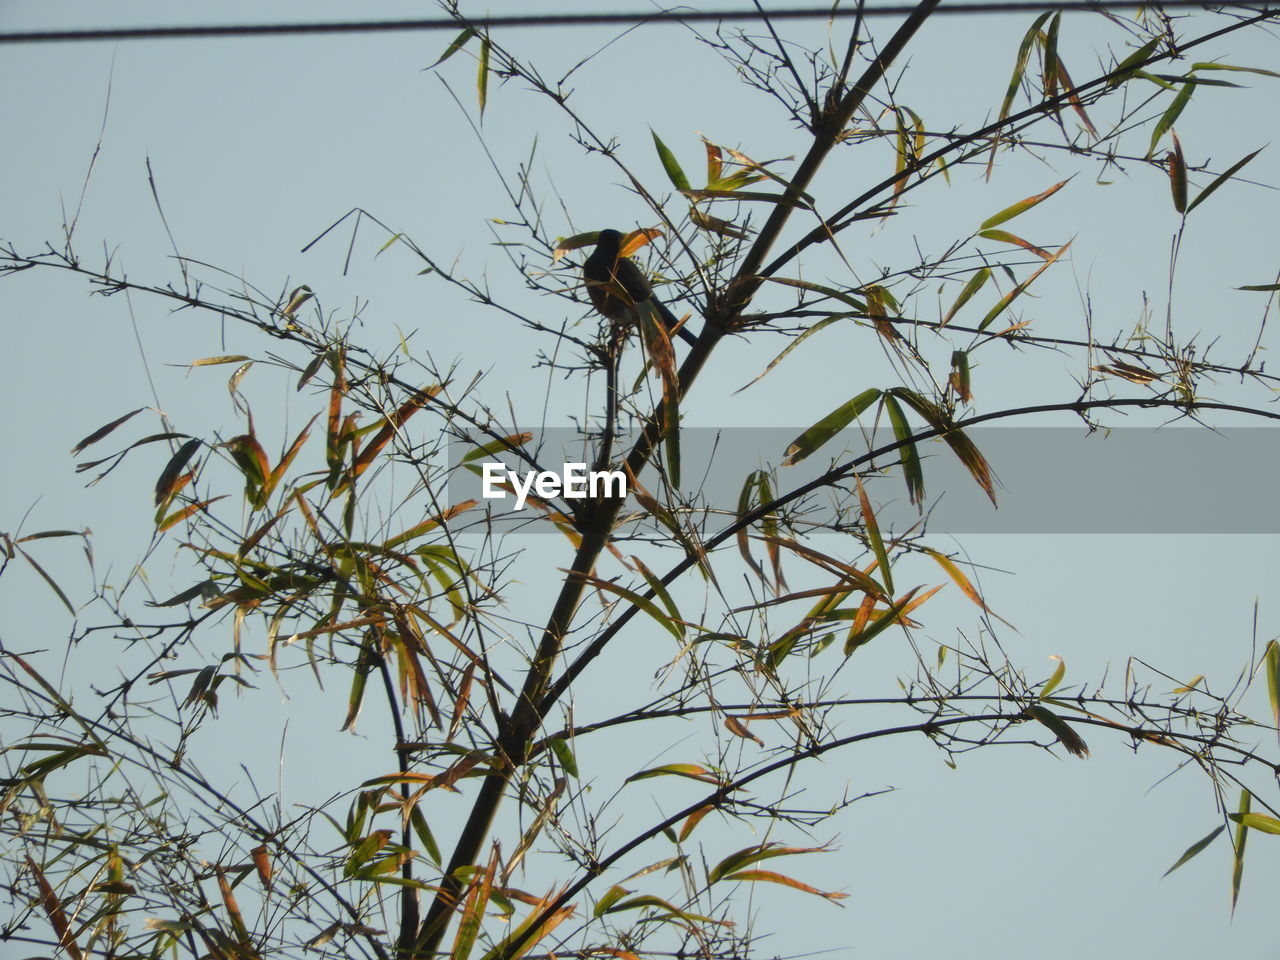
x=257, y=145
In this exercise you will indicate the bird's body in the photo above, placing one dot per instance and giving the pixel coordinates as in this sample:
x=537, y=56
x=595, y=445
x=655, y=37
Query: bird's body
x=616, y=285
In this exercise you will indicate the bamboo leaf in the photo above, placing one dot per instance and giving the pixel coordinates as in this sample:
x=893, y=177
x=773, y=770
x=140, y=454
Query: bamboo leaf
x=960, y=444
x=1166, y=122
x=171, y=520
x=564, y=753
x=873, y=533
x=390, y=425
x=1178, y=176
x=858, y=637
x=458, y=42
x=959, y=379
x=1241, y=838
x=297, y=297
x=958, y=577
x=715, y=161
x=1074, y=99
x=53, y=910
x=972, y=286
x=167, y=483
x=912, y=471
x=670, y=164
x=826, y=428
x=1271, y=664
x=1013, y=294
x=770, y=876
x=103, y=431
x=1126, y=67
x=1071, y=740
x=660, y=589
x=754, y=196
x=1003, y=236
x=360, y=676
x=850, y=575
x=1049, y=41
x=1015, y=81
x=1022, y=206
x=853, y=303
x=1221, y=179
x=973, y=460
x=691, y=770
x=755, y=853
x=666, y=622
x=609, y=899
x=482, y=78
x=1052, y=683
x=1256, y=821
x=747, y=500
x=691, y=822
x=1194, y=849
x=1226, y=66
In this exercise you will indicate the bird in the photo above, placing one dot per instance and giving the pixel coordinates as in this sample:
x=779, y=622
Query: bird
x=616, y=285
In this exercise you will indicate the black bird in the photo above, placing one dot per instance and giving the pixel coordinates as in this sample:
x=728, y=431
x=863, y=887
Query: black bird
x=616, y=285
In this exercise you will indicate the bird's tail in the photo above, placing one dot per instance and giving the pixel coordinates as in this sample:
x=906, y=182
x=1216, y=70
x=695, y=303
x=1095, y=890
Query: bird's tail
x=669, y=321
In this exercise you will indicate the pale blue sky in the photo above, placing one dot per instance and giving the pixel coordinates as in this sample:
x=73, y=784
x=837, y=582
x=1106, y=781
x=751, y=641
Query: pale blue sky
x=258, y=144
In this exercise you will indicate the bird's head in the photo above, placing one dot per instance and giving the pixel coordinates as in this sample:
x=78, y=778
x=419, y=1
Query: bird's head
x=609, y=239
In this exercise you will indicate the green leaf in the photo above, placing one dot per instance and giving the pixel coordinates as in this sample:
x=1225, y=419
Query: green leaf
x=1242, y=836
x=1164, y=124
x=873, y=534
x=912, y=471
x=1013, y=294
x=973, y=460
x=754, y=854
x=1126, y=67
x=1015, y=81
x=1008, y=213
x=1194, y=849
x=359, y=678
x=1271, y=664
x=564, y=753
x=1054, y=680
x=853, y=303
x=425, y=836
x=1020, y=64
x=1071, y=740
x=606, y=902
x=458, y=43
x=670, y=164
x=660, y=589
x=753, y=195
x=691, y=770
x=826, y=428
x=1221, y=179
x=482, y=78
x=1227, y=66
x=1256, y=821
x=876, y=626
x=1049, y=42
x=675, y=629
x=974, y=284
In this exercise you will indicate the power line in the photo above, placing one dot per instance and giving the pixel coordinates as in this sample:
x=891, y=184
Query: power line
x=578, y=19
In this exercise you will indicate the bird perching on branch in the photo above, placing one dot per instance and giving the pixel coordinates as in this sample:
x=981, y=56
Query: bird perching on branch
x=619, y=289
